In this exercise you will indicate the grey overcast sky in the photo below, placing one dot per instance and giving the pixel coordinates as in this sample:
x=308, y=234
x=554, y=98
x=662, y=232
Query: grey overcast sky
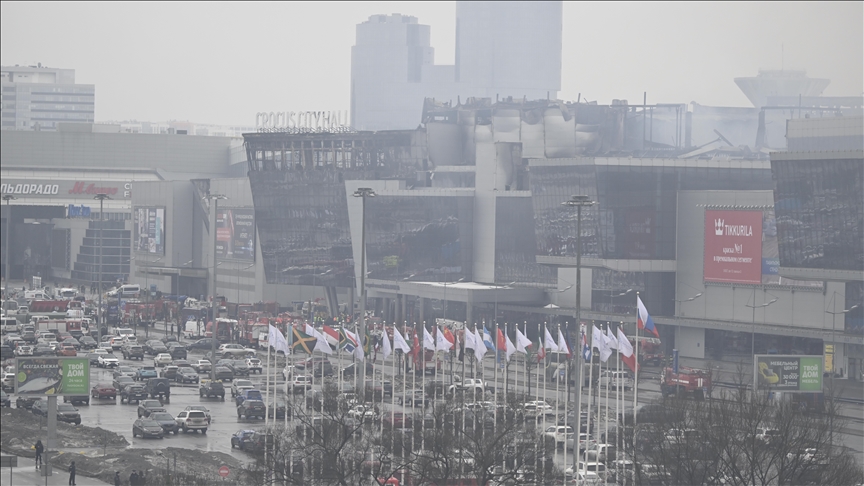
x=223, y=62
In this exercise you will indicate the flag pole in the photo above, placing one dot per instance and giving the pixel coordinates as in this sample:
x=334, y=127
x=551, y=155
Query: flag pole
x=606, y=432
x=589, y=426
x=566, y=408
x=636, y=382
x=581, y=381
x=267, y=398
x=619, y=427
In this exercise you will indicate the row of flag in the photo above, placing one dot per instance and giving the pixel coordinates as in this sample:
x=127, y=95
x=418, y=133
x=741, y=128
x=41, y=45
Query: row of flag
x=310, y=340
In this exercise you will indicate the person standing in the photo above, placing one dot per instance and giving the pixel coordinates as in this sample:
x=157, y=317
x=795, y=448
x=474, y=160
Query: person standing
x=117, y=479
x=72, y=474
x=39, y=450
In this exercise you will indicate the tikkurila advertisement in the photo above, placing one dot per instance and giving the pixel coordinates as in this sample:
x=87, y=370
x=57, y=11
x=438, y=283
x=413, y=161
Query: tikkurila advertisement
x=733, y=246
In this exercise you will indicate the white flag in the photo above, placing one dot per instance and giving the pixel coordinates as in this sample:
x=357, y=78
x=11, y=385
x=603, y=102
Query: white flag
x=522, y=342
x=510, y=347
x=479, y=346
x=607, y=351
x=428, y=342
x=470, y=340
x=386, y=350
x=610, y=338
x=598, y=342
x=549, y=341
x=276, y=339
x=441, y=343
x=399, y=341
x=624, y=345
x=562, y=343
x=358, y=348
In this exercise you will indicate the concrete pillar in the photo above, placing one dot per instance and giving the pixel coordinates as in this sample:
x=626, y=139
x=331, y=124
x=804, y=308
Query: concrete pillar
x=469, y=313
x=421, y=302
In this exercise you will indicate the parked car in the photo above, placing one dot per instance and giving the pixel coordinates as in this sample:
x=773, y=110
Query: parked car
x=239, y=367
x=159, y=387
x=121, y=382
x=5, y=401
x=103, y=391
x=256, y=442
x=132, y=351
x=146, y=372
x=239, y=386
x=88, y=342
x=239, y=438
x=211, y=389
x=162, y=359
x=201, y=365
x=67, y=351
x=167, y=421
x=107, y=360
x=146, y=427
x=132, y=392
x=250, y=394
x=231, y=349
x=177, y=350
x=199, y=408
x=204, y=344
x=25, y=402
x=186, y=375
x=169, y=372
x=194, y=420
x=251, y=409
x=280, y=412
x=146, y=407
x=300, y=383
x=559, y=433
x=223, y=373
x=68, y=413
x=77, y=399
x=124, y=371
x=254, y=365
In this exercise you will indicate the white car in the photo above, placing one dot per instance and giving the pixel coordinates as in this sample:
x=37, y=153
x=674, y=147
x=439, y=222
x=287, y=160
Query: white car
x=24, y=351
x=162, y=359
x=559, y=433
x=234, y=350
x=536, y=409
x=107, y=360
x=362, y=412
x=238, y=386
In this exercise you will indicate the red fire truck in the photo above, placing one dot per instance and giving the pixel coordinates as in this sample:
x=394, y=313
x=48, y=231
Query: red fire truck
x=690, y=382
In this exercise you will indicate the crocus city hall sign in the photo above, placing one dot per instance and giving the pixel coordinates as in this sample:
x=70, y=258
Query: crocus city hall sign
x=312, y=120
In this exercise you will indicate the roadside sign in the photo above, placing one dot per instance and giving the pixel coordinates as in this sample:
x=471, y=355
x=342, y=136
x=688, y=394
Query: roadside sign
x=788, y=373
x=52, y=376
x=8, y=461
x=224, y=471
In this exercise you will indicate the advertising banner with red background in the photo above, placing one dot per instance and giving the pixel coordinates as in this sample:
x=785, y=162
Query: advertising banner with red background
x=733, y=246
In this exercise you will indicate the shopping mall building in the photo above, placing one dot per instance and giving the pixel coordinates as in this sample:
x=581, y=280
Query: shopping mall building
x=732, y=250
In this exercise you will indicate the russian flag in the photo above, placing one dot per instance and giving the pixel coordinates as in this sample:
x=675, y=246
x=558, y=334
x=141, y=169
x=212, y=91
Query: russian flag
x=643, y=319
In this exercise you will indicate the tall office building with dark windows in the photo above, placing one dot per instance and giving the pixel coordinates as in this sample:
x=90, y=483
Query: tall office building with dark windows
x=39, y=97
x=503, y=49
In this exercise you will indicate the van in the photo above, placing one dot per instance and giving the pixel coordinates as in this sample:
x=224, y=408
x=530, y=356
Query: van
x=9, y=324
x=128, y=290
x=66, y=293
x=36, y=295
x=614, y=379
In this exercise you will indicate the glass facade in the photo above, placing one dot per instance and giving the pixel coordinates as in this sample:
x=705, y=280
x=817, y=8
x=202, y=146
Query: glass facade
x=636, y=211
x=819, y=208
x=515, y=243
x=425, y=238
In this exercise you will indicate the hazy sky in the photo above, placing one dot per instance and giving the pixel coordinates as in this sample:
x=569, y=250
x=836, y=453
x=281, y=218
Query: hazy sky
x=223, y=62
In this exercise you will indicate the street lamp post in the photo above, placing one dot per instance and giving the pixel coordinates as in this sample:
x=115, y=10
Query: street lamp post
x=834, y=314
x=215, y=198
x=101, y=197
x=754, y=306
x=8, y=198
x=578, y=201
x=364, y=193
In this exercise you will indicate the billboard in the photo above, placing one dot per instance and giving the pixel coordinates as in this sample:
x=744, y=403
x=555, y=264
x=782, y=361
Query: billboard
x=149, y=224
x=235, y=234
x=733, y=246
x=788, y=372
x=52, y=376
